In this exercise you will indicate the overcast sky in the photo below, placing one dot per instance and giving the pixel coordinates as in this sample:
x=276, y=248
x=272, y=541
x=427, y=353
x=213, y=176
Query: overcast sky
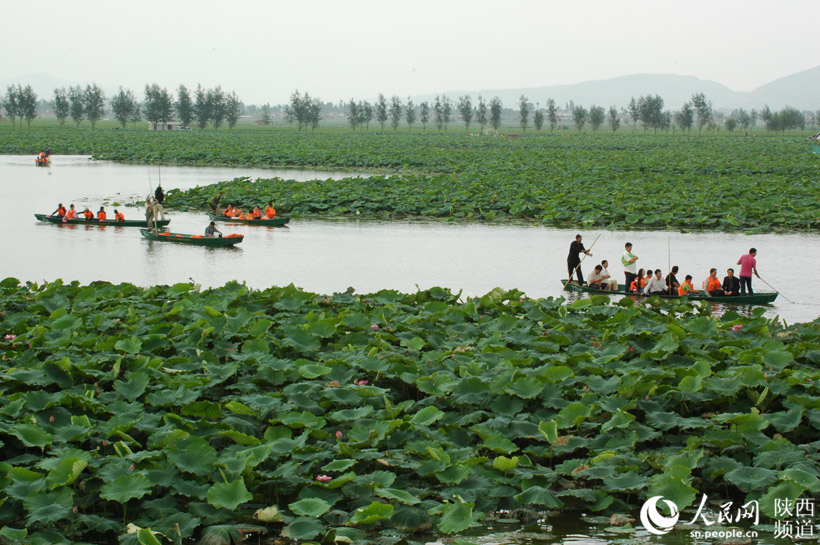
x=339, y=50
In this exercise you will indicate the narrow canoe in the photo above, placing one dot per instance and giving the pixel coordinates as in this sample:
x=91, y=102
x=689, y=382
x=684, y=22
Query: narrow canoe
x=760, y=298
x=83, y=221
x=196, y=240
x=277, y=221
x=42, y=162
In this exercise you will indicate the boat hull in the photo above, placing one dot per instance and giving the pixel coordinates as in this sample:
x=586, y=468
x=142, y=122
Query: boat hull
x=761, y=298
x=276, y=221
x=127, y=223
x=193, y=240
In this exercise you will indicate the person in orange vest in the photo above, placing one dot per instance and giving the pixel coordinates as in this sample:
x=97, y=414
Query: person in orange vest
x=712, y=285
x=89, y=215
x=270, y=212
x=257, y=213
x=686, y=288
x=71, y=214
x=237, y=212
x=118, y=216
x=228, y=212
x=60, y=210
x=639, y=283
x=101, y=215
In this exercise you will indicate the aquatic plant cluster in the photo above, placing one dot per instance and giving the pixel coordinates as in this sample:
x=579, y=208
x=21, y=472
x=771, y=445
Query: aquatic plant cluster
x=725, y=183
x=182, y=412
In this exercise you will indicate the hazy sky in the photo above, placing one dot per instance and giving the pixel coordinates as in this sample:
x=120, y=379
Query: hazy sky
x=264, y=50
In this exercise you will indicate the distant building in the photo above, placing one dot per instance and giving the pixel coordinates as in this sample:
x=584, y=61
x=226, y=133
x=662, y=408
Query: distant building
x=167, y=126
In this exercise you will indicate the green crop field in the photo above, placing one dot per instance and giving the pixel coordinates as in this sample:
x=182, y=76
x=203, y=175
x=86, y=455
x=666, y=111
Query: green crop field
x=235, y=411
x=725, y=183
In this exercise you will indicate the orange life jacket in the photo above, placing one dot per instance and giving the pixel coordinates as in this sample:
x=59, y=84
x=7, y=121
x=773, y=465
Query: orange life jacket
x=61, y=210
x=88, y=214
x=634, y=286
x=71, y=214
x=101, y=215
x=712, y=284
x=119, y=216
x=257, y=213
x=270, y=212
x=227, y=212
x=685, y=289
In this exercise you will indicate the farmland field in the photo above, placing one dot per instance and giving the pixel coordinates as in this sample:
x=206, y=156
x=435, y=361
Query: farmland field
x=230, y=410
x=637, y=181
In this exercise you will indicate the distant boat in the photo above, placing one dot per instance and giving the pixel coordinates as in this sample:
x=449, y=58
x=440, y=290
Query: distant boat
x=42, y=161
x=195, y=240
x=276, y=221
x=758, y=298
x=95, y=221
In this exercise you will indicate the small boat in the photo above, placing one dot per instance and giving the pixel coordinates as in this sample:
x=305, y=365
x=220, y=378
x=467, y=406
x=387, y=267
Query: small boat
x=94, y=221
x=759, y=298
x=42, y=161
x=196, y=240
x=276, y=221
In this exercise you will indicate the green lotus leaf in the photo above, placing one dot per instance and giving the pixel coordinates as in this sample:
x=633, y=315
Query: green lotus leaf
x=32, y=435
x=229, y=495
x=49, y=507
x=312, y=370
x=456, y=517
x=751, y=478
x=672, y=488
x=620, y=419
x=13, y=534
x=126, y=487
x=400, y=496
x=525, y=387
x=372, y=514
x=427, y=416
x=303, y=528
x=537, y=495
x=339, y=465
x=147, y=537
x=66, y=472
x=502, y=463
x=310, y=507
x=131, y=345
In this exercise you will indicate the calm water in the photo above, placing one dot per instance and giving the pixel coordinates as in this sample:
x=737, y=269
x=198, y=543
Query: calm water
x=330, y=256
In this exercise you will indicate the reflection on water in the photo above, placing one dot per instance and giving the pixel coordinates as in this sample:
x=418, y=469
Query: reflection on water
x=330, y=256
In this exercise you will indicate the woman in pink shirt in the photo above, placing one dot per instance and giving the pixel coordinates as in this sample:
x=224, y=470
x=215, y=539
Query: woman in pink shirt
x=748, y=265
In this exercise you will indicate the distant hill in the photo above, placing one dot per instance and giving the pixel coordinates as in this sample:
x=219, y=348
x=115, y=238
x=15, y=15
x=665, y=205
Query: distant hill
x=798, y=90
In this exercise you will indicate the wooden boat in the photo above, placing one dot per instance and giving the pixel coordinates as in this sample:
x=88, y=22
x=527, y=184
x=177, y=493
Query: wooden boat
x=196, y=240
x=758, y=298
x=83, y=221
x=42, y=161
x=276, y=221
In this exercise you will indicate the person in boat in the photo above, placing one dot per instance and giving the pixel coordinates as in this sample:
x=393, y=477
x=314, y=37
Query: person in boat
x=748, y=265
x=228, y=212
x=596, y=280
x=118, y=216
x=686, y=288
x=638, y=283
x=88, y=214
x=656, y=285
x=712, y=285
x=731, y=284
x=101, y=215
x=609, y=282
x=257, y=213
x=60, y=211
x=214, y=203
x=211, y=230
x=149, y=214
x=48, y=152
x=628, y=260
x=71, y=214
x=672, y=284
x=159, y=194
x=270, y=211
x=573, y=259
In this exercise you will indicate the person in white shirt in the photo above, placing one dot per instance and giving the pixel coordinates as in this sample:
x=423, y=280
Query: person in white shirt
x=595, y=279
x=655, y=285
x=609, y=282
x=628, y=262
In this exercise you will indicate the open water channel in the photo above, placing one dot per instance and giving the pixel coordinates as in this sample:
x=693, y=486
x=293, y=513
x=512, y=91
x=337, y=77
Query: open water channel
x=330, y=256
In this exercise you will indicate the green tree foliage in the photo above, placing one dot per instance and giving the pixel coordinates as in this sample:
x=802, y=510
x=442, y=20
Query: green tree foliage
x=76, y=106
x=596, y=117
x=685, y=117
x=742, y=118
x=438, y=111
x=93, y=103
x=27, y=99
x=122, y=106
x=395, y=112
x=136, y=115
x=216, y=97
x=579, y=116
x=265, y=119
x=424, y=114
x=651, y=113
x=703, y=110
x=538, y=119
x=465, y=110
x=202, y=107
x=481, y=113
x=11, y=103
x=158, y=105
x=61, y=107
x=353, y=114
x=495, y=112
x=785, y=120
x=381, y=111
x=410, y=113
x=446, y=110
x=523, y=112
x=365, y=114
x=233, y=107
x=731, y=123
x=613, y=118
x=634, y=112
x=552, y=114
x=184, y=106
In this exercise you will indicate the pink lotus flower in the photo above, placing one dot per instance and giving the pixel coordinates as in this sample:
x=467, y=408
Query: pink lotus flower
x=631, y=349
x=374, y=327
x=737, y=327
x=338, y=434
x=10, y=337
x=323, y=478
x=362, y=382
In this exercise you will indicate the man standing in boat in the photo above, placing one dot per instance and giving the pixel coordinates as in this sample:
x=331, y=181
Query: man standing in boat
x=628, y=262
x=748, y=265
x=573, y=261
x=159, y=196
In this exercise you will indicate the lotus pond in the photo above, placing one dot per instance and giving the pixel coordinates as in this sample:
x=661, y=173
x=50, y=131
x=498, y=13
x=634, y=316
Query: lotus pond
x=352, y=416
